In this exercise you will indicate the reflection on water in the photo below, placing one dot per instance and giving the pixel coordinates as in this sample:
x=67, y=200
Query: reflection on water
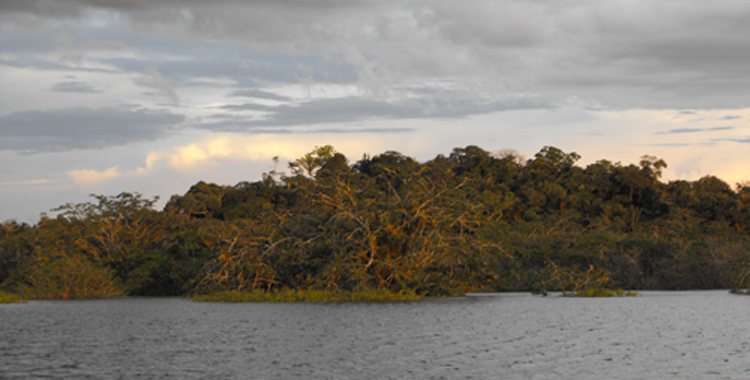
x=664, y=335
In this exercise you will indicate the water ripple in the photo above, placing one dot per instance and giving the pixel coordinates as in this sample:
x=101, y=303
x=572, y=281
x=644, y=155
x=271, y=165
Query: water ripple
x=665, y=335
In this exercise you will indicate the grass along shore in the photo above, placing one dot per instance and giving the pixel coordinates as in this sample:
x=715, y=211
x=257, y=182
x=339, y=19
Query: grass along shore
x=289, y=295
x=6, y=297
x=602, y=292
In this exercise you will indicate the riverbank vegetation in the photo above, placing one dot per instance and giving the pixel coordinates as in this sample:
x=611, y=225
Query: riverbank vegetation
x=6, y=297
x=470, y=221
x=602, y=292
x=290, y=295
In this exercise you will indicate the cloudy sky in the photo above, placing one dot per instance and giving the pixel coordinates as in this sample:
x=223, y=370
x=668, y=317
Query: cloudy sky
x=152, y=96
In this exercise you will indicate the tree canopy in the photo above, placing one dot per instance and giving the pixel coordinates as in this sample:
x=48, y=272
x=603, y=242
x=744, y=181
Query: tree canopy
x=469, y=221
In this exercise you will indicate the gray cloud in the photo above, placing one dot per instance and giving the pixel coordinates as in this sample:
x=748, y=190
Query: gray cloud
x=258, y=94
x=80, y=87
x=232, y=60
x=82, y=128
x=617, y=54
x=744, y=140
x=152, y=79
x=406, y=59
x=680, y=145
x=248, y=107
x=694, y=130
x=44, y=8
x=622, y=54
x=337, y=131
x=340, y=110
x=45, y=65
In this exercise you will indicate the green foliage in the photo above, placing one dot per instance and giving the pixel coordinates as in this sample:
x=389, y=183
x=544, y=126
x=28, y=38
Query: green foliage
x=312, y=161
x=65, y=277
x=471, y=221
x=201, y=201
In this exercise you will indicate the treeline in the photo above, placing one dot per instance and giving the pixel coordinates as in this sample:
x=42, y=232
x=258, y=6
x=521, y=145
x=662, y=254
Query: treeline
x=469, y=221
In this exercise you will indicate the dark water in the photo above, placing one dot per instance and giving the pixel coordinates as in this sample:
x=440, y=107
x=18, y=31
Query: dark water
x=660, y=335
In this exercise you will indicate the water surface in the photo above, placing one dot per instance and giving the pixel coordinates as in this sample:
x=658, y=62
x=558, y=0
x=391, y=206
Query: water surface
x=660, y=335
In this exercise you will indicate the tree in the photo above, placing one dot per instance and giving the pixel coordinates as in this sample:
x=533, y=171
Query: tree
x=312, y=161
x=471, y=221
x=201, y=201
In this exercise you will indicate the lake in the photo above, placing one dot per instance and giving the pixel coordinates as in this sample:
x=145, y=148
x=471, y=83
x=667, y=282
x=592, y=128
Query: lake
x=659, y=335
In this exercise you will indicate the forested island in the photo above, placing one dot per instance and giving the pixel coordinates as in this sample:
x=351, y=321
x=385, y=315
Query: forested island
x=392, y=227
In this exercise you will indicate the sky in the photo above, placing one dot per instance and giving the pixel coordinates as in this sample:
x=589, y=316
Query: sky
x=147, y=96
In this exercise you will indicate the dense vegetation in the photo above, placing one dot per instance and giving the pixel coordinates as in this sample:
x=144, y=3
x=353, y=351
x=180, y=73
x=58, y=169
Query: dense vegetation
x=471, y=221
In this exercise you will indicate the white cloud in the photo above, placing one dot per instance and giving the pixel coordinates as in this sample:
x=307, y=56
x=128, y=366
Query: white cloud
x=84, y=177
x=262, y=148
x=89, y=176
x=152, y=159
x=616, y=136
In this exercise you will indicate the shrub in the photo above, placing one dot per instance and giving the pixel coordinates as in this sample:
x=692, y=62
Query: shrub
x=65, y=277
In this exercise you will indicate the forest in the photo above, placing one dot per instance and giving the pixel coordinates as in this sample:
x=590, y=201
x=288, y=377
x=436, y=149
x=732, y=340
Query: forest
x=471, y=221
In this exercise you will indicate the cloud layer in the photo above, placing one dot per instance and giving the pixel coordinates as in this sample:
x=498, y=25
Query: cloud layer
x=82, y=128
x=171, y=80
